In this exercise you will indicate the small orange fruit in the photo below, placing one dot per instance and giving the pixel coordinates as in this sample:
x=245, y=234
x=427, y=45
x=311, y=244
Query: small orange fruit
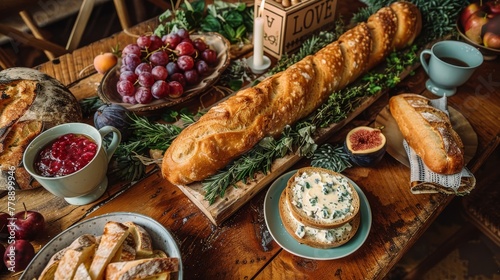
x=104, y=62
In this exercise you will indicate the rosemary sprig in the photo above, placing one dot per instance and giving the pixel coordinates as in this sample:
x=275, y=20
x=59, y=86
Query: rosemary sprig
x=258, y=159
x=128, y=161
x=151, y=135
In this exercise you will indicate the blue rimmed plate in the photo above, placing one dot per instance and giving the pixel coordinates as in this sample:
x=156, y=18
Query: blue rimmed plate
x=287, y=242
x=161, y=237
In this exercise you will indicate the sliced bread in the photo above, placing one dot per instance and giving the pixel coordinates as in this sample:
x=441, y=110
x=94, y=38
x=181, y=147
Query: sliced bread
x=141, y=269
x=111, y=241
x=79, y=252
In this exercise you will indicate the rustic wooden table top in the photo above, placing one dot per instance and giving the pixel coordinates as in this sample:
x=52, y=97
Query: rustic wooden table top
x=241, y=247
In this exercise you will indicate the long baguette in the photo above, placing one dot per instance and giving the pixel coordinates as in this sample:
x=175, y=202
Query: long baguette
x=429, y=132
x=234, y=126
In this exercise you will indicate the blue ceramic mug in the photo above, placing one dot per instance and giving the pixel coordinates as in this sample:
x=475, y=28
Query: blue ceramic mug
x=450, y=65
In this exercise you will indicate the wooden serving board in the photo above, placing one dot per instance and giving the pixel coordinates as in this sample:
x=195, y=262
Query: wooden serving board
x=235, y=197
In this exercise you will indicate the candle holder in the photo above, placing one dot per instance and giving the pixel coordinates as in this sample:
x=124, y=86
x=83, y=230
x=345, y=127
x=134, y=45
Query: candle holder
x=259, y=69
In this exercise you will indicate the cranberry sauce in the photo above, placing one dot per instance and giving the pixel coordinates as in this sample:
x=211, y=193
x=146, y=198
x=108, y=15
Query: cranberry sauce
x=65, y=155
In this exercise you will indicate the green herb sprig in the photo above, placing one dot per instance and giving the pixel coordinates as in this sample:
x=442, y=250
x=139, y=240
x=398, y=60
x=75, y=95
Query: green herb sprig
x=128, y=161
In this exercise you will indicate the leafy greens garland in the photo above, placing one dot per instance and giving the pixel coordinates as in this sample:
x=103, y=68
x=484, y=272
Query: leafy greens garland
x=438, y=20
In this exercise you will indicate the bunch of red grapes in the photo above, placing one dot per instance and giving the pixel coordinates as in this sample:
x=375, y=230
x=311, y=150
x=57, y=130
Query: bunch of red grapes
x=155, y=68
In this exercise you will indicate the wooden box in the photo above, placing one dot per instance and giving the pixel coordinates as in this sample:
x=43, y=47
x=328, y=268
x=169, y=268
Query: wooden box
x=285, y=29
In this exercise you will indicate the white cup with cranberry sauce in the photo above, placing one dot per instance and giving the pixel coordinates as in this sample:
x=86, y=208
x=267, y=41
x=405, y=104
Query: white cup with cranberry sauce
x=70, y=161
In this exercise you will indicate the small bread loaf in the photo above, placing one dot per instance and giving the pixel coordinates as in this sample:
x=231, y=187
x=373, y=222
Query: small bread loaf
x=237, y=124
x=429, y=132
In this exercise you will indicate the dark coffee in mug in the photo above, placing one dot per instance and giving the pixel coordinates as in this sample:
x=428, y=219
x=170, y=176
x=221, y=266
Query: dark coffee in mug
x=454, y=61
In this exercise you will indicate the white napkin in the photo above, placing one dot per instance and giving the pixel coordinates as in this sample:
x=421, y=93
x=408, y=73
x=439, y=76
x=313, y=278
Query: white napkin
x=421, y=173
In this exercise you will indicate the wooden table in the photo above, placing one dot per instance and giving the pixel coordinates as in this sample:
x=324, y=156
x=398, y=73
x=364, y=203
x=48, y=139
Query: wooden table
x=241, y=248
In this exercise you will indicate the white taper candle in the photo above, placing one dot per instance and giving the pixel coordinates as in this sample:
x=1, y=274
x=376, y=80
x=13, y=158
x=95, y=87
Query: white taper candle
x=258, y=38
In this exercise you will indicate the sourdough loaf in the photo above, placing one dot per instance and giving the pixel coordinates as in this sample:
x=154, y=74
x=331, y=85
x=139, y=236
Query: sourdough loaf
x=234, y=126
x=30, y=101
x=428, y=132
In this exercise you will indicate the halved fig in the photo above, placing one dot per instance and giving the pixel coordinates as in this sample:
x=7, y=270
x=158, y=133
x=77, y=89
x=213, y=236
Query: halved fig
x=365, y=145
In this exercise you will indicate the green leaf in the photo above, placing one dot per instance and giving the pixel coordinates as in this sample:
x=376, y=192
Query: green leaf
x=187, y=6
x=165, y=15
x=240, y=32
x=233, y=18
x=198, y=6
x=241, y=7
x=235, y=84
x=229, y=31
x=210, y=24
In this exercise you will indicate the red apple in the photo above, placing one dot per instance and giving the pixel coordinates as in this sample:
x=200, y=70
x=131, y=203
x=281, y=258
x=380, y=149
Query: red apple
x=4, y=221
x=473, y=26
x=491, y=40
x=468, y=11
x=18, y=255
x=28, y=224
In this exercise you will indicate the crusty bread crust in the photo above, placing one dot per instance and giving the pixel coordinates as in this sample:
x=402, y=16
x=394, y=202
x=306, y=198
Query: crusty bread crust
x=291, y=224
x=15, y=99
x=383, y=26
x=140, y=269
x=114, y=235
x=429, y=132
x=303, y=217
x=237, y=124
x=409, y=23
x=80, y=251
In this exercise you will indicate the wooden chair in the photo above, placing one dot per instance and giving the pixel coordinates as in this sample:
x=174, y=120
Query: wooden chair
x=36, y=38
x=124, y=16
